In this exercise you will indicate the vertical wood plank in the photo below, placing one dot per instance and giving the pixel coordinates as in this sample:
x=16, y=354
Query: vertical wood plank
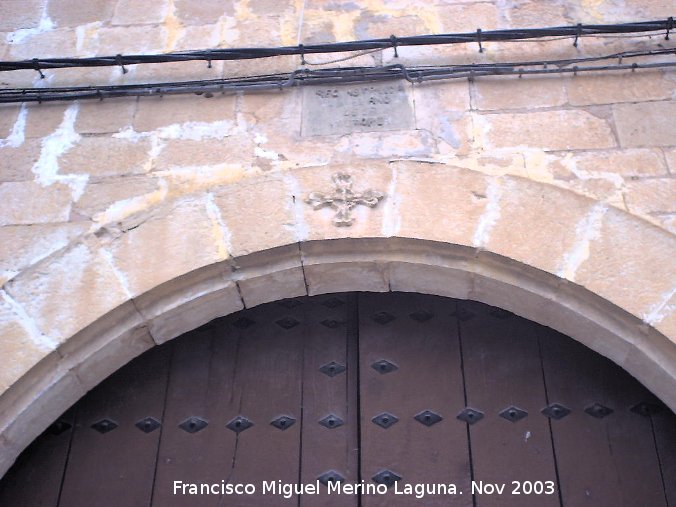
x=116, y=468
x=201, y=380
x=502, y=369
x=428, y=377
x=35, y=478
x=601, y=461
x=330, y=341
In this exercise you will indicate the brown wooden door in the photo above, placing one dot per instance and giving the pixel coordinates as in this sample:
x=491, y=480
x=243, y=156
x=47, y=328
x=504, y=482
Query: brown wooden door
x=434, y=401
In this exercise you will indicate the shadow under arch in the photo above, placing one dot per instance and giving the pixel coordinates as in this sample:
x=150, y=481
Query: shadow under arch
x=337, y=265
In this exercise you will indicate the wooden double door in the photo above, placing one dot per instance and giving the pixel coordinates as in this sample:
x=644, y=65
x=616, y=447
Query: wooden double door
x=433, y=400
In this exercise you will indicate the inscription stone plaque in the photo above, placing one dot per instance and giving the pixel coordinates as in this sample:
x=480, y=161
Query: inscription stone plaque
x=366, y=107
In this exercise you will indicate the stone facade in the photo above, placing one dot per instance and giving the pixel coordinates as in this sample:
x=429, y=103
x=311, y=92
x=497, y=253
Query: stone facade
x=129, y=221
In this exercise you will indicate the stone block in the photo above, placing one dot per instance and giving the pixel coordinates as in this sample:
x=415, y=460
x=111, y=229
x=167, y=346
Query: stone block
x=275, y=286
x=499, y=93
x=429, y=279
x=135, y=12
x=27, y=202
x=645, y=124
x=648, y=196
x=198, y=153
x=44, y=119
x=179, y=238
x=628, y=162
x=131, y=40
x=260, y=214
x=65, y=14
x=630, y=264
x=17, y=14
x=468, y=17
x=547, y=216
x=534, y=14
x=156, y=112
x=670, y=156
x=8, y=116
x=98, y=197
x=374, y=25
x=105, y=117
x=331, y=277
x=20, y=352
x=436, y=202
x=16, y=163
x=611, y=88
x=547, y=130
x=203, y=12
x=51, y=44
x=107, y=156
x=22, y=246
x=47, y=293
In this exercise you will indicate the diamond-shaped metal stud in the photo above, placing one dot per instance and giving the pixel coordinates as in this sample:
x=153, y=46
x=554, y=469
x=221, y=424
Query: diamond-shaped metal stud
x=556, y=411
x=330, y=476
x=513, y=413
x=500, y=313
x=332, y=324
x=463, y=315
x=421, y=316
x=331, y=421
x=332, y=369
x=384, y=366
x=383, y=318
x=287, y=322
x=59, y=427
x=333, y=303
x=239, y=424
x=148, y=424
x=470, y=415
x=646, y=409
x=599, y=411
x=386, y=477
x=104, y=425
x=193, y=424
x=385, y=420
x=290, y=303
x=243, y=323
x=428, y=418
x=283, y=422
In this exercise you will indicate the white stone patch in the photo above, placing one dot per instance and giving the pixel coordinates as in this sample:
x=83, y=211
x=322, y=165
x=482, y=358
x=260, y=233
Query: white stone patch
x=297, y=204
x=490, y=215
x=660, y=310
x=121, y=277
x=586, y=231
x=46, y=169
x=268, y=154
x=20, y=36
x=17, y=136
x=391, y=216
x=42, y=341
x=222, y=233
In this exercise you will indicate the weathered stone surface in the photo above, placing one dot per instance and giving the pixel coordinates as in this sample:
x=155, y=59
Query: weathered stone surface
x=513, y=93
x=629, y=249
x=548, y=217
x=156, y=112
x=130, y=40
x=651, y=196
x=534, y=14
x=98, y=197
x=8, y=116
x=118, y=114
x=27, y=202
x=50, y=44
x=618, y=87
x=670, y=156
x=645, y=124
x=337, y=277
x=634, y=162
x=24, y=245
x=18, y=14
x=371, y=25
x=468, y=17
x=196, y=153
x=273, y=287
x=47, y=293
x=128, y=12
x=179, y=238
x=548, y=130
x=44, y=119
x=203, y=12
x=107, y=156
x=260, y=215
x=16, y=163
x=368, y=107
x=64, y=14
x=18, y=350
x=454, y=200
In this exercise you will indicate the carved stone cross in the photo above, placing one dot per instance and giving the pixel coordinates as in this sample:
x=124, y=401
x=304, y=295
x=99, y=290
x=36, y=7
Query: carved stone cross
x=343, y=199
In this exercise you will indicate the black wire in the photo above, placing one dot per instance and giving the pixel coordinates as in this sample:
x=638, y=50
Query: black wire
x=343, y=75
x=418, y=40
